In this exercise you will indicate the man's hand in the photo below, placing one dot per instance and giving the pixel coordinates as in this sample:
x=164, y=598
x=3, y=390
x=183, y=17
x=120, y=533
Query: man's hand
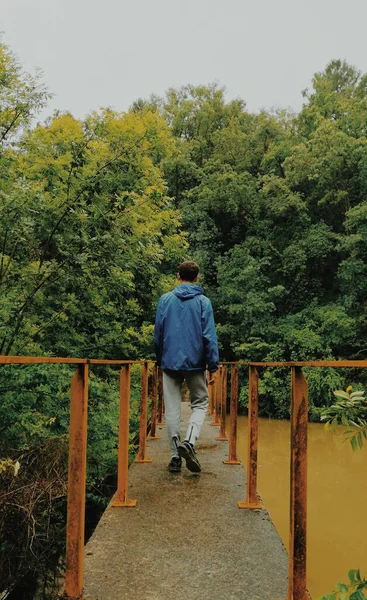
x=212, y=377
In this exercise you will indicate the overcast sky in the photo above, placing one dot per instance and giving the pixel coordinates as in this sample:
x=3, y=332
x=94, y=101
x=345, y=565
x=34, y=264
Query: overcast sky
x=111, y=52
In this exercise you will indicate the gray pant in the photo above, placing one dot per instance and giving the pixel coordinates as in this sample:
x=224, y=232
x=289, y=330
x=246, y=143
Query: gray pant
x=199, y=398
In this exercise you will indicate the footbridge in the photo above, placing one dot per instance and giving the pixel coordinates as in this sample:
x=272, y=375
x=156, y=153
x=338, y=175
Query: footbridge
x=167, y=536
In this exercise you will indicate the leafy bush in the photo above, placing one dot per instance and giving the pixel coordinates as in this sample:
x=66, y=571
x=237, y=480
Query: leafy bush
x=354, y=590
x=349, y=410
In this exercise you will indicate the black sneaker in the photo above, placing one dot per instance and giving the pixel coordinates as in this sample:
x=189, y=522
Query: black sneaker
x=187, y=451
x=175, y=464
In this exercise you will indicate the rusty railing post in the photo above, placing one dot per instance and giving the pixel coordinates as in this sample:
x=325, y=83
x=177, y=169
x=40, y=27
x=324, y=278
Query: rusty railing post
x=121, y=496
x=141, y=458
x=74, y=576
x=223, y=407
x=163, y=405
x=298, y=502
x=214, y=397
x=210, y=393
x=160, y=411
x=233, y=459
x=217, y=392
x=252, y=500
x=153, y=435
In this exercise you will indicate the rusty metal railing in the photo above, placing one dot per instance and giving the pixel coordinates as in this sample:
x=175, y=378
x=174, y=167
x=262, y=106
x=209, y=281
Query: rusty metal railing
x=297, y=588
x=160, y=410
x=74, y=577
x=153, y=423
x=74, y=574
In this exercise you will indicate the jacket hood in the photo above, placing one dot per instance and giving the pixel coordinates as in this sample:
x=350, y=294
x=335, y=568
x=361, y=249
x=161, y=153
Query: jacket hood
x=185, y=291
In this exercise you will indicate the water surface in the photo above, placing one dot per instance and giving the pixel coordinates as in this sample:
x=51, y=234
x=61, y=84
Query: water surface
x=337, y=494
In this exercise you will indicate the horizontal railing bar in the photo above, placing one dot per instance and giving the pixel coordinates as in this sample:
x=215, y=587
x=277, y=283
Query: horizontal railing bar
x=97, y=361
x=27, y=360
x=24, y=360
x=234, y=362
x=310, y=363
x=314, y=363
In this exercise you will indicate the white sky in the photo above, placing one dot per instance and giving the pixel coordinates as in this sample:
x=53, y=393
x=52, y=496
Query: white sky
x=111, y=52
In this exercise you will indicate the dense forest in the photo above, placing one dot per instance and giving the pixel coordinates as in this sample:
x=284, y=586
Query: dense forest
x=95, y=216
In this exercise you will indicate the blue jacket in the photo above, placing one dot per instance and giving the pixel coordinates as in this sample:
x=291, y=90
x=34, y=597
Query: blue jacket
x=184, y=334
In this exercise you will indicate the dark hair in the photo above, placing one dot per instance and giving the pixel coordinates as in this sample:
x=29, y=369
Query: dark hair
x=188, y=270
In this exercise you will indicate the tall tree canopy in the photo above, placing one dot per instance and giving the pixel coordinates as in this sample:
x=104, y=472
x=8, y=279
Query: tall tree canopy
x=273, y=205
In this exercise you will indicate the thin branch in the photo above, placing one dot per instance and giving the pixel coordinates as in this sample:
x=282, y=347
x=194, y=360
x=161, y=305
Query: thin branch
x=3, y=253
x=75, y=200
x=48, y=322
x=71, y=170
x=21, y=311
x=7, y=267
x=17, y=115
x=16, y=208
x=22, y=487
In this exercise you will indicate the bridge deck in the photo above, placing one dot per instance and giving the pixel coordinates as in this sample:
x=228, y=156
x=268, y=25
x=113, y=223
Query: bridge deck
x=186, y=539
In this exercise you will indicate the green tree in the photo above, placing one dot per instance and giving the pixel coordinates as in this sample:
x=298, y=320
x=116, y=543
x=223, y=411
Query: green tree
x=21, y=97
x=88, y=239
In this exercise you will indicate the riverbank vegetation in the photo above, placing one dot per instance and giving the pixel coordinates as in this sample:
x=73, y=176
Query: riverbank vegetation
x=96, y=214
x=349, y=410
x=355, y=589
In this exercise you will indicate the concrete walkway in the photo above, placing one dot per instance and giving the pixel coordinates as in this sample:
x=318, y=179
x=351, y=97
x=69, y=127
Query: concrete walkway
x=186, y=539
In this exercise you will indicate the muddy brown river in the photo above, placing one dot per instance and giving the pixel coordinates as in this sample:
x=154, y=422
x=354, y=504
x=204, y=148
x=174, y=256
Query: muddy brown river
x=337, y=493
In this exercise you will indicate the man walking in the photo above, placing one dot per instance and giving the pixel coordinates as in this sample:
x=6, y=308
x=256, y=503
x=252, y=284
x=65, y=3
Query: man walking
x=186, y=345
